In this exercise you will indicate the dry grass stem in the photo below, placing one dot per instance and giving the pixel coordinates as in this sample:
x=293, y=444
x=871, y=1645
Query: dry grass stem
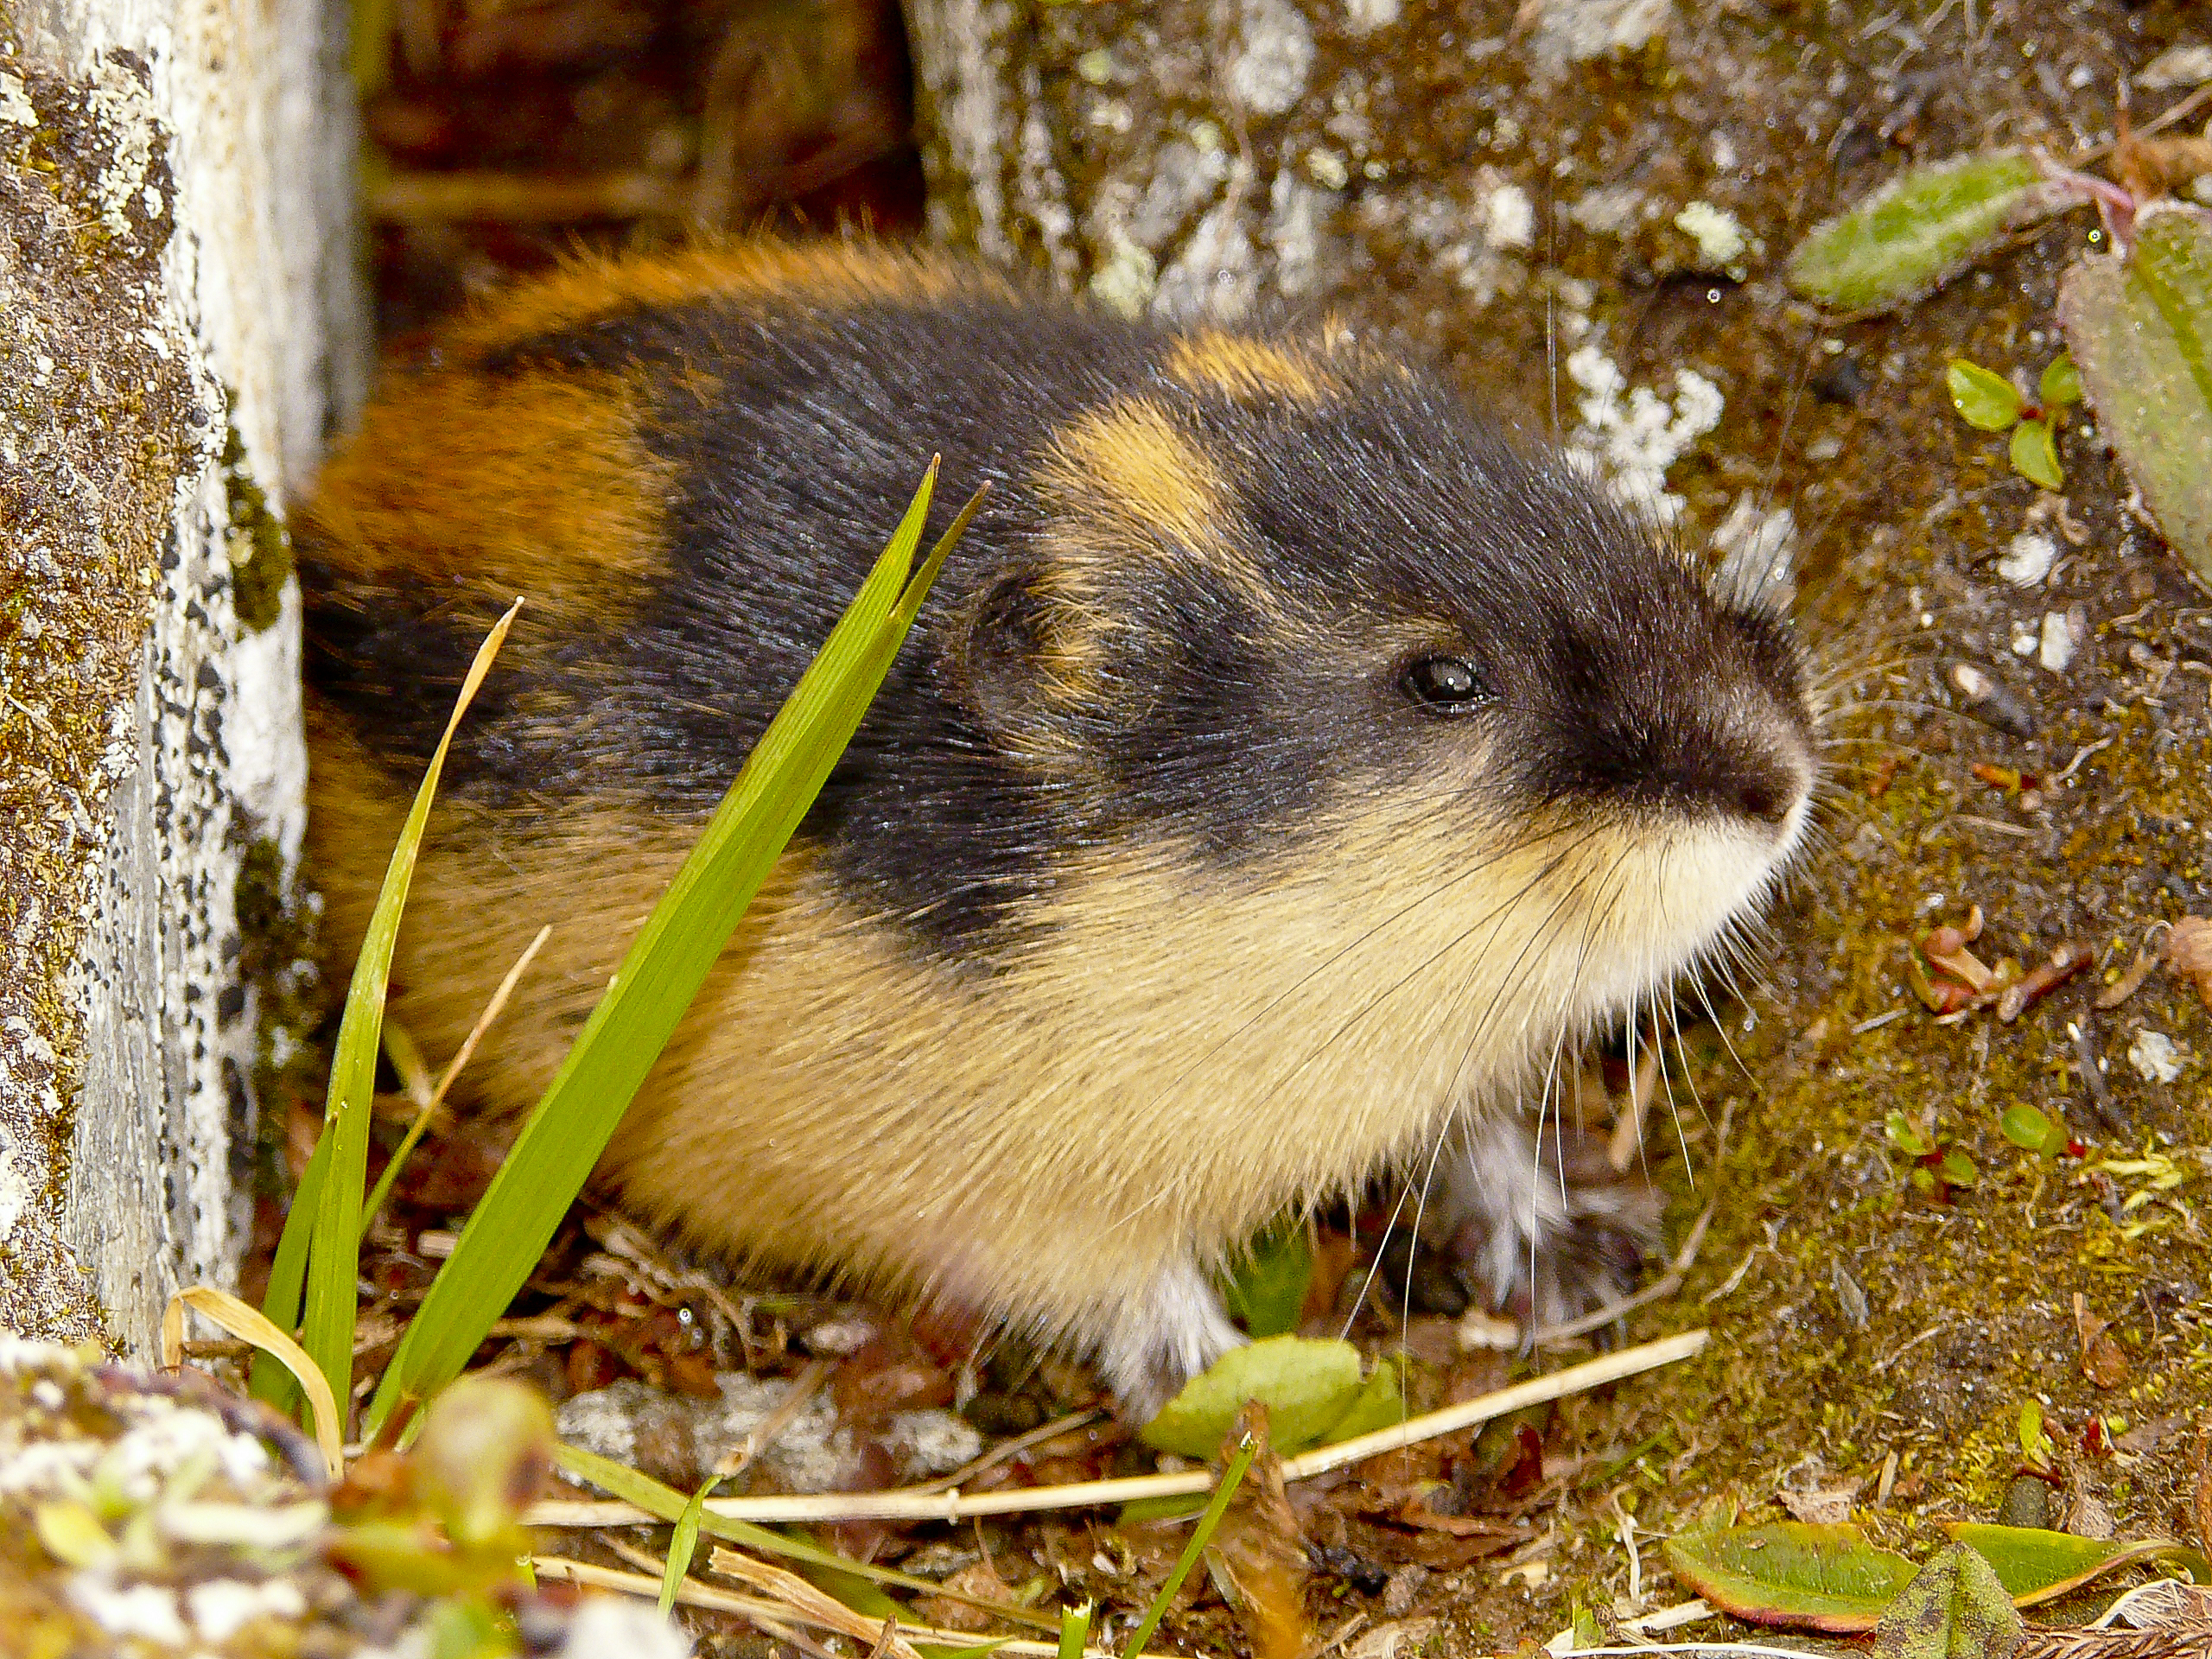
x=814, y=1605
x=775, y=1615
x=1013, y=1448
x=1658, y=1290
x=924, y=1505
x=800, y=1390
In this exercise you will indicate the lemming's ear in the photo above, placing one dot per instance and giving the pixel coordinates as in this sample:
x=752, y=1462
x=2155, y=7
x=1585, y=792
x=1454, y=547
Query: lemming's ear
x=1028, y=655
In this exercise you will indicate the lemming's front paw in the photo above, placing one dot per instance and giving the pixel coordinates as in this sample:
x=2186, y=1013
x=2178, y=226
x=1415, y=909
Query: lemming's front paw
x=1552, y=1228
x=1162, y=1340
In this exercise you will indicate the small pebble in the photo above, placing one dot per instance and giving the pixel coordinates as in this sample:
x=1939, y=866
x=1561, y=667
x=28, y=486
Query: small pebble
x=1842, y=381
x=2153, y=1055
x=2027, y=1502
x=1990, y=701
x=2028, y=560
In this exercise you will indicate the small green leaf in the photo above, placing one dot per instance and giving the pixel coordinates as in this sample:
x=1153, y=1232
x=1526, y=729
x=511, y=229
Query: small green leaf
x=2036, y=1567
x=1307, y=1387
x=71, y=1534
x=2035, y=1443
x=1790, y=1573
x=2140, y=331
x=683, y=1545
x=1921, y=228
x=2034, y=455
x=1983, y=397
x=1955, y=1608
x=1905, y=1135
x=1270, y=1285
x=2061, y=383
x=2025, y=1126
x=1956, y=1168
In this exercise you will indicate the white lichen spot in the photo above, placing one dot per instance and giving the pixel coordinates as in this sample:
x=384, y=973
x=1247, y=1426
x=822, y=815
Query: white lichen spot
x=1365, y=16
x=145, y=1610
x=2062, y=633
x=1127, y=277
x=1757, y=552
x=223, y=1607
x=605, y=1625
x=121, y=106
x=1297, y=215
x=1217, y=275
x=1097, y=66
x=931, y=1442
x=140, y=1461
x=15, y=106
x=1610, y=211
x=1719, y=235
x=1628, y=442
x=2028, y=560
x=1274, y=55
x=2155, y=1056
x=1508, y=218
x=1327, y=169
x=16, y=1189
x=2025, y=636
x=2176, y=67
x=1571, y=30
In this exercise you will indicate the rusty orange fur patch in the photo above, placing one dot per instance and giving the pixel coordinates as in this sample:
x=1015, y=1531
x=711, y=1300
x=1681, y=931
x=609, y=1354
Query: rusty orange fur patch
x=1239, y=366
x=533, y=484
x=1129, y=463
x=814, y=275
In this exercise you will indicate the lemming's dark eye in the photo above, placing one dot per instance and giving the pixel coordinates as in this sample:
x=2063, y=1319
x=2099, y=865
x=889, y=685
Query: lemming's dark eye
x=1446, y=685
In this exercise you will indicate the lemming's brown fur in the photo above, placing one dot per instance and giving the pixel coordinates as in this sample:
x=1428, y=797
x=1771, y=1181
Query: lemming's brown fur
x=1053, y=1036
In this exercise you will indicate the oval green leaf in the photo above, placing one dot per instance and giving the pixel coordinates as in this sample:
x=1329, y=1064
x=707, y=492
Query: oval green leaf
x=1790, y=1573
x=2035, y=454
x=2061, y=383
x=2025, y=1126
x=1956, y=1168
x=1306, y=1386
x=1955, y=1608
x=1919, y=229
x=2139, y=330
x=2035, y=1566
x=1983, y=397
x=1380, y=1404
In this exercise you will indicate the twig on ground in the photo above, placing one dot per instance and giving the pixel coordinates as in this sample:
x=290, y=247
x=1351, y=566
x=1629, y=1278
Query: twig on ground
x=910, y=1505
x=796, y=1395
x=766, y=1613
x=1006, y=1449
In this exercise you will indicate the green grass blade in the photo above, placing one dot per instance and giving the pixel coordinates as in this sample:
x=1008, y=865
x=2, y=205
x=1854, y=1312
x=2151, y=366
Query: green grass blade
x=333, y=1250
x=287, y=1274
x=1074, y=1631
x=666, y=964
x=684, y=1545
x=668, y=1503
x=327, y=1205
x=1231, y=1478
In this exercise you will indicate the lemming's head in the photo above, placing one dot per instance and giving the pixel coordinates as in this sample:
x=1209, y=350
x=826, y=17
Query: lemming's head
x=1291, y=613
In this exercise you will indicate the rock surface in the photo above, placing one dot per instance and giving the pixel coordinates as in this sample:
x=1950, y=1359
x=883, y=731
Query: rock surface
x=181, y=329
